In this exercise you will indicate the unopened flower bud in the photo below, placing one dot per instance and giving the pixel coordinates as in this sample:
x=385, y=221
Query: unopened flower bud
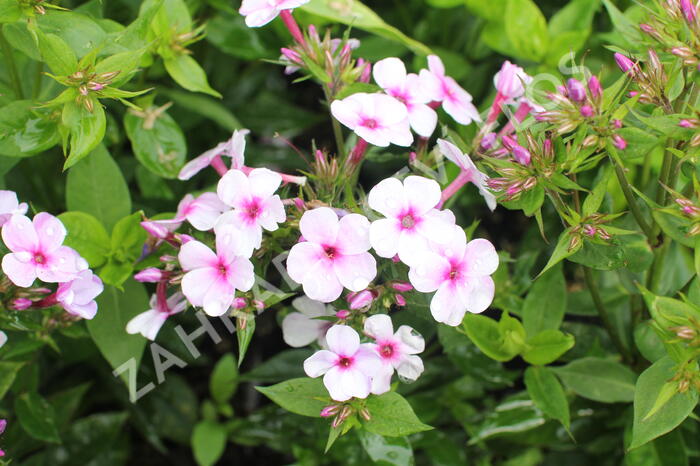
x=400, y=300
x=695, y=140
x=239, y=303
x=155, y=229
x=20, y=304
x=292, y=55
x=402, y=286
x=687, y=123
x=589, y=230
x=685, y=333
x=489, y=140
x=603, y=234
x=587, y=111
x=167, y=258
x=682, y=52
x=619, y=142
x=575, y=89
x=522, y=155
x=617, y=124
x=342, y=314
x=683, y=386
x=694, y=230
x=330, y=410
x=257, y=304
x=548, y=148
x=365, y=414
x=590, y=141
x=149, y=275
x=689, y=10
x=626, y=65
x=360, y=300
x=594, y=87
x=648, y=29
x=509, y=142
x=574, y=243
x=366, y=70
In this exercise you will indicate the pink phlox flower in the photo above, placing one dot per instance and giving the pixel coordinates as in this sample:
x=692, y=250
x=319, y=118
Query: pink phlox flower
x=333, y=256
x=397, y=351
x=260, y=12
x=78, y=296
x=37, y=251
x=234, y=148
x=409, y=89
x=255, y=204
x=379, y=119
x=455, y=101
x=465, y=163
x=302, y=328
x=347, y=366
x=460, y=273
x=149, y=323
x=211, y=279
x=201, y=212
x=411, y=217
x=9, y=206
x=510, y=82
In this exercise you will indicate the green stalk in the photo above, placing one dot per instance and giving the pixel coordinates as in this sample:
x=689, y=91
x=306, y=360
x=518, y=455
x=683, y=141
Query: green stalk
x=632, y=202
x=11, y=66
x=604, y=316
x=337, y=130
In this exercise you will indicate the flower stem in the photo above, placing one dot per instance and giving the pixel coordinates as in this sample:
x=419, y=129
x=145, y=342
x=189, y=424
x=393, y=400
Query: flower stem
x=337, y=130
x=632, y=202
x=603, y=313
x=462, y=179
x=11, y=66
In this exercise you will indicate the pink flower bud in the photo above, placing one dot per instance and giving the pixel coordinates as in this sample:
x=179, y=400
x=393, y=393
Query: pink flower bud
x=292, y=55
x=589, y=230
x=489, y=140
x=400, y=300
x=184, y=238
x=156, y=230
x=686, y=124
x=149, y=275
x=594, y=87
x=522, y=155
x=299, y=204
x=366, y=70
x=625, y=64
x=509, y=143
x=412, y=157
x=587, y=111
x=619, y=142
x=342, y=314
x=239, y=303
x=257, y=304
x=329, y=411
x=168, y=258
x=402, y=286
x=20, y=304
x=360, y=300
x=576, y=91
x=617, y=124
x=689, y=10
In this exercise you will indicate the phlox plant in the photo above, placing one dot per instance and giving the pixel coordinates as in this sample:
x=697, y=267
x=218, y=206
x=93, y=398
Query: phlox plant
x=467, y=234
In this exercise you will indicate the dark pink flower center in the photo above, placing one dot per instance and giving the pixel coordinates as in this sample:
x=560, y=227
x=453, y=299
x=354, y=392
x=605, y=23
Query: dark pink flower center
x=370, y=123
x=39, y=258
x=223, y=269
x=408, y=221
x=330, y=252
x=386, y=350
x=344, y=362
x=253, y=209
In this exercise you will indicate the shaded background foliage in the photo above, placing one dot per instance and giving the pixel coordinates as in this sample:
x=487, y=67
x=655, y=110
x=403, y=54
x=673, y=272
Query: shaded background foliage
x=464, y=394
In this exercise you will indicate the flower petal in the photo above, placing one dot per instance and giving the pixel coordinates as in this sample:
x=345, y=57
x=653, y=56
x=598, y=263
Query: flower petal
x=478, y=294
x=21, y=273
x=447, y=306
x=379, y=326
x=422, y=194
x=320, y=226
x=19, y=234
x=194, y=255
x=481, y=257
x=343, y=340
x=411, y=341
x=302, y=259
x=319, y=363
x=234, y=188
x=298, y=330
x=355, y=271
x=423, y=119
x=264, y=182
x=353, y=234
x=428, y=272
x=410, y=368
x=389, y=73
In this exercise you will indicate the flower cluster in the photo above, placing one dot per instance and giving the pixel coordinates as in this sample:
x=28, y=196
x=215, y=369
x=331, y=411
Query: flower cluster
x=36, y=251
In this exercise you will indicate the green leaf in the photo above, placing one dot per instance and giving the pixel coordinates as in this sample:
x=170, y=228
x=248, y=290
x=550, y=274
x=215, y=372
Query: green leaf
x=10, y=11
x=8, y=373
x=57, y=54
x=600, y=189
x=526, y=28
x=158, y=144
x=386, y=451
x=224, y=379
x=486, y=334
x=357, y=15
x=513, y=415
x=667, y=450
x=548, y=394
x=547, y=346
x=624, y=25
x=87, y=236
x=36, y=416
x=208, y=442
x=392, y=416
x=108, y=329
x=598, y=379
x=86, y=130
x=188, y=74
x=125, y=63
x=127, y=242
x=244, y=336
x=303, y=396
x=80, y=32
x=545, y=303
x=561, y=250
x=26, y=130
x=650, y=384
x=205, y=106
x=96, y=186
